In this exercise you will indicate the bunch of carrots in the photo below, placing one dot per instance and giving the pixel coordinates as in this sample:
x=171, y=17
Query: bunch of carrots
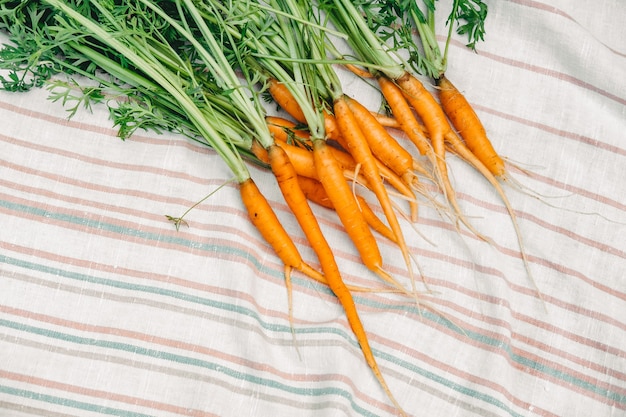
x=203, y=69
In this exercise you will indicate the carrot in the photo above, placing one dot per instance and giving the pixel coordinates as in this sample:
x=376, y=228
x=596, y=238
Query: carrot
x=372, y=219
x=440, y=131
x=358, y=71
x=309, y=191
x=385, y=147
x=287, y=180
x=284, y=130
x=469, y=126
x=386, y=121
x=346, y=159
x=352, y=132
x=267, y=223
x=259, y=151
x=301, y=158
x=296, y=197
x=387, y=150
x=339, y=192
x=314, y=191
x=406, y=120
x=415, y=131
x=347, y=209
x=304, y=165
x=283, y=97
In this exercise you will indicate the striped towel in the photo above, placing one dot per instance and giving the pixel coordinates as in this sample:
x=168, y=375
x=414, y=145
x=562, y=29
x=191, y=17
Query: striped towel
x=107, y=309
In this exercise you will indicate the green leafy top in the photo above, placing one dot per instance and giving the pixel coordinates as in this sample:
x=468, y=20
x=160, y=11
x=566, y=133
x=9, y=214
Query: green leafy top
x=398, y=21
x=471, y=16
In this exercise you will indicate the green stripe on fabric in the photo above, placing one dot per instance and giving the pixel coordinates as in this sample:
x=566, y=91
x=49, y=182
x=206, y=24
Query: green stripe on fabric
x=79, y=405
x=185, y=360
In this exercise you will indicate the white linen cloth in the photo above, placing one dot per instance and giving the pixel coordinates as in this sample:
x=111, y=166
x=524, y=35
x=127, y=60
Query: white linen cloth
x=106, y=309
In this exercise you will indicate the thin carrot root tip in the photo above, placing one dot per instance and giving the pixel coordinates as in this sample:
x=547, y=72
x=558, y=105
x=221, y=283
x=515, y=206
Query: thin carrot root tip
x=290, y=308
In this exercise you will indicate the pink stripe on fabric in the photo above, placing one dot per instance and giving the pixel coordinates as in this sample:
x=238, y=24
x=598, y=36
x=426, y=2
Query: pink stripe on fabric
x=547, y=72
x=101, y=162
x=554, y=10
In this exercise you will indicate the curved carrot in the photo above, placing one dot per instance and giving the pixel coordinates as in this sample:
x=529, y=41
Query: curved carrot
x=466, y=122
x=267, y=223
x=352, y=133
x=296, y=200
x=332, y=178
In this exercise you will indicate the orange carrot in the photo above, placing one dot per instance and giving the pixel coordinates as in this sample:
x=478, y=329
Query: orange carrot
x=264, y=219
x=352, y=133
x=314, y=191
x=386, y=121
x=387, y=150
x=283, y=97
x=339, y=192
x=385, y=147
x=287, y=180
x=406, y=120
x=286, y=130
x=469, y=126
x=347, y=161
x=440, y=131
x=303, y=162
x=301, y=158
x=330, y=125
x=260, y=152
x=358, y=71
